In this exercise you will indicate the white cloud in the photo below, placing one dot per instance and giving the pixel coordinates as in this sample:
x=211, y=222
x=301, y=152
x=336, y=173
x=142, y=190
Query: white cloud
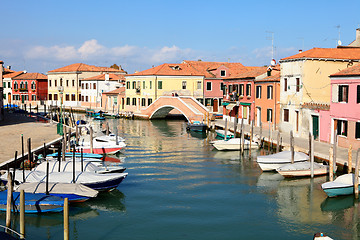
x=54, y=52
x=91, y=48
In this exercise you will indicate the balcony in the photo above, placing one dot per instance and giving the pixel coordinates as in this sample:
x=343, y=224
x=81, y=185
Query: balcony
x=23, y=90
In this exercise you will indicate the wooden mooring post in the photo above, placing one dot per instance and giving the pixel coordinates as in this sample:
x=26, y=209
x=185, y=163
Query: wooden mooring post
x=91, y=140
x=225, y=129
x=278, y=141
x=66, y=219
x=251, y=135
x=356, y=177
x=311, y=154
x=292, y=146
x=22, y=214
x=331, y=164
x=242, y=136
x=9, y=199
x=350, y=159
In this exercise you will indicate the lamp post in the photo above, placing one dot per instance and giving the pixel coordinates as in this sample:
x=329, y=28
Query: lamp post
x=61, y=93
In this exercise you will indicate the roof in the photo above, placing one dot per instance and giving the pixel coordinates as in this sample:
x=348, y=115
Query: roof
x=351, y=71
x=253, y=73
x=101, y=77
x=12, y=74
x=208, y=67
x=81, y=67
x=30, y=76
x=327, y=53
x=120, y=91
x=170, y=69
x=275, y=77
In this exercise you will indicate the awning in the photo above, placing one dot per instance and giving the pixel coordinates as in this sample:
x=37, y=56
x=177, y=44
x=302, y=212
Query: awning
x=245, y=104
x=225, y=103
x=230, y=106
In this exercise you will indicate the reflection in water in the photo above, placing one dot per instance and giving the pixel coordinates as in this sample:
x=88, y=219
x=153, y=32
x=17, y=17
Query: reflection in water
x=108, y=201
x=338, y=203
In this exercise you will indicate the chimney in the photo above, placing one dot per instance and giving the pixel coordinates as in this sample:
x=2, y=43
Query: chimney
x=356, y=42
x=300, y=51
x=9, y=67
x=107, y=77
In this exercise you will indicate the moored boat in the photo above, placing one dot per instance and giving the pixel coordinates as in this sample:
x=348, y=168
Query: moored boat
x=274, y=161
x=197, y=126
x=233, y=144
x=221, y=134
x=34, y=203
x=342, y=185
x=302, y=169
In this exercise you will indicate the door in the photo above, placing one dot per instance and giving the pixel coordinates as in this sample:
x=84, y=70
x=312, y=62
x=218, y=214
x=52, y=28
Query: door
x=315, y=122
x=297, y=121
x=9, y=98
x=216, y=105
x=22, y=98
x=258, y=116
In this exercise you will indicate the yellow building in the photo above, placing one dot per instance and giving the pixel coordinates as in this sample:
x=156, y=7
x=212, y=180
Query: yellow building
x=306, y=91
x=143, y=88
x=67, y=80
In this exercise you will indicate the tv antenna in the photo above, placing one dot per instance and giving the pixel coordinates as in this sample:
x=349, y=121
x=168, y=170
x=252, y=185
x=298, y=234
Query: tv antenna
x=339, y=41
x=272, y=44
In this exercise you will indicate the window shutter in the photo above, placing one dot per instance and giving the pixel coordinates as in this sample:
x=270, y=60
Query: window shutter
x=335, y=94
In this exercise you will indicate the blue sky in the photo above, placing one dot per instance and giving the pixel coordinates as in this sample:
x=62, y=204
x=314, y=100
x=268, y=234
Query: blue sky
x=39, y=36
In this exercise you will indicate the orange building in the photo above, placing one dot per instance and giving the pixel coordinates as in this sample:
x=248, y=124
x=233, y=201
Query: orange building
x=267, y=96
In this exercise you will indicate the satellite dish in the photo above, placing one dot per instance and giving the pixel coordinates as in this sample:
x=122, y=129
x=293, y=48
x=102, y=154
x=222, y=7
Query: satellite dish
x=339, y=43
x=273, y=62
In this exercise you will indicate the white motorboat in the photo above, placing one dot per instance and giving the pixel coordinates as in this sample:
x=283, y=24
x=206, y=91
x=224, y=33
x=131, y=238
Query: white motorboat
x=221, y=134
x=233, y=144
x=303, y=169
x=274, y=161
x=68, y=166
x=342, y=185
x=102, y=147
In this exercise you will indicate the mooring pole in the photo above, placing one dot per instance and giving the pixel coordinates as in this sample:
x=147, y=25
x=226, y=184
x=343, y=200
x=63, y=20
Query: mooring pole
x=292, y=147
x=9, y=200
x=311, y=153
x=225, y=129
x=22, y=214
x=356, y=179
x=331, y=165
x=66, y=219
x=350, y=159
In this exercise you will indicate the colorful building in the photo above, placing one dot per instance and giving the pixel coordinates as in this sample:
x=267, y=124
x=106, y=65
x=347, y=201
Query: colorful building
x=7, y=84
x=143, y=88
x=66, y=82
x=29, y=88
x=239, y=100
x=306, y=90
x=114, y=100
x=345, y=107
x=92, y=89
x=267, y=95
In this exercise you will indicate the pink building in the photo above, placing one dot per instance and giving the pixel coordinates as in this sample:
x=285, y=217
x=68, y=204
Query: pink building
x=345, y=107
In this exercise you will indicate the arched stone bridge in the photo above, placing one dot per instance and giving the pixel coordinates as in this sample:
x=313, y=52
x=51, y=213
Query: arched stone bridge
x=192, y=109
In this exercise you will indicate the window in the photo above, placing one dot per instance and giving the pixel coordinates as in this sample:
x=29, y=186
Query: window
x=248, y=90
x=342, y=127
x=72, y=97
x=208, y=86
x=149, y=101
x=128, y=100
x=269, y=115
x=183, y=84
x=86, y=98
x=143, y=102
x=198, y=84
x=4, y=84
x=67, y=97
x=33, y=85
x=133, y=85
x=49, y=83
x=82, y=86
x=26, y=85
x=16, y=85
x=9, y=84
x=86, y=86
x=67, y=83
x=127, y=85
x=61, y=82
x=244, y=112
x=343, y=93
x=241, y=91
x=159, y=84
x=357, y=130
x=73, y=83
x=143, y=84
x=33, y=97
x=358, y=94
x=94, y=85
x=285, y=84
x=269, y=92
x=286, y=115
x=258, y=91
x=50, y=96
x=134, y=101
x=150, y=84
x=21, y=85
x=297, y=84
x=55, y=97
x=82, y=98
x=222, y=73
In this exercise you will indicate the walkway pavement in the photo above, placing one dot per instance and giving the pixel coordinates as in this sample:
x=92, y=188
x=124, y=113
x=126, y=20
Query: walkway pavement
x=16, y=124
x=321, y=149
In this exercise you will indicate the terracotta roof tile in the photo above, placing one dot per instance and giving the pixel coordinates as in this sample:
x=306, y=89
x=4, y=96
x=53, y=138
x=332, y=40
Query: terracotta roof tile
x=81, y=67
x=12, y=74
x=254, y=72
x=351, y=71
x=327, y=53
x=101, y=77
x=275, y=77
x=167, y=69
x=30, y=76
x=120, y=91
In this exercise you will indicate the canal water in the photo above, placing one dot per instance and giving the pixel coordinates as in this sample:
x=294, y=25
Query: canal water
x=179, y=187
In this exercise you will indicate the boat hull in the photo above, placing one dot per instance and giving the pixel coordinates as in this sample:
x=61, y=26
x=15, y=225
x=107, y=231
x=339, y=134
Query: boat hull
x=334, y=192
x=270, y=166
x=303, y=173
x=197, y=127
